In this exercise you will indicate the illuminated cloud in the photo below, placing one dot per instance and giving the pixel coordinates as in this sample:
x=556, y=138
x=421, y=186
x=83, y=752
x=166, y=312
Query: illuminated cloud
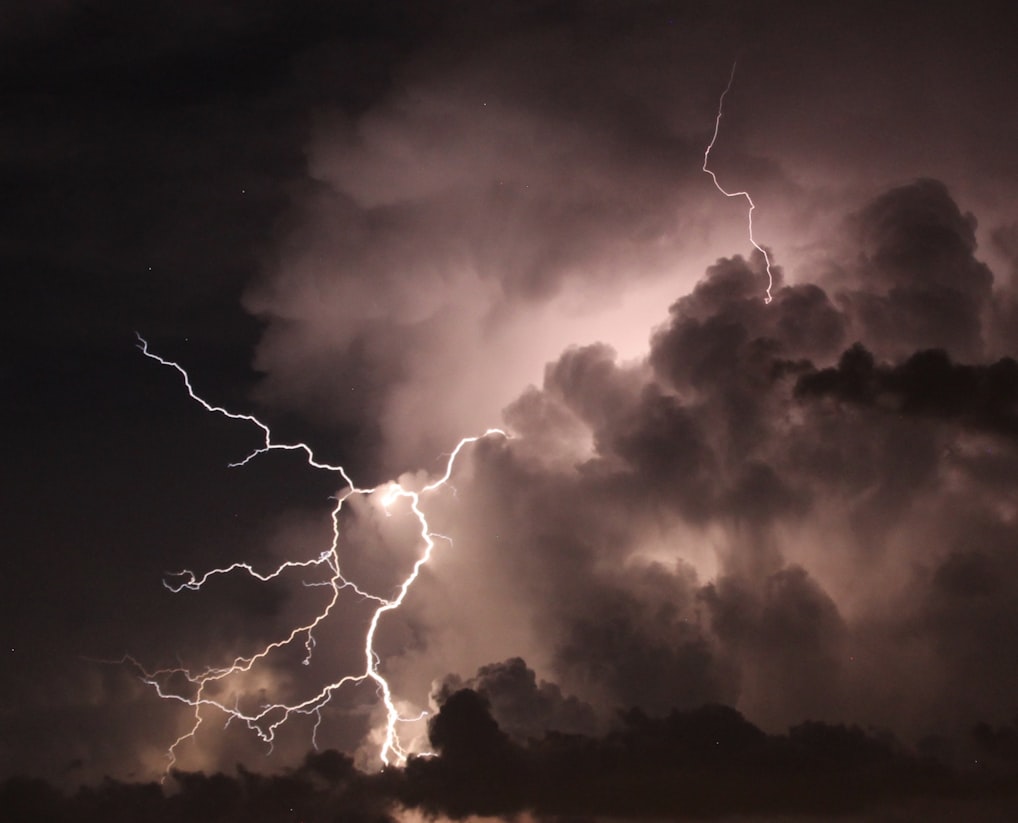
x=382, y=232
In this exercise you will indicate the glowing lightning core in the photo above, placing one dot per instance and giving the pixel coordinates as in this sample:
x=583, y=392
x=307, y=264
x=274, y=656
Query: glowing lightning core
x=714, y=177
x=265, y=721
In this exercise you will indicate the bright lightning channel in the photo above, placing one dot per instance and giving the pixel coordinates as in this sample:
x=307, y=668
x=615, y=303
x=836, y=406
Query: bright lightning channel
x=271, y=716
x=749, y=200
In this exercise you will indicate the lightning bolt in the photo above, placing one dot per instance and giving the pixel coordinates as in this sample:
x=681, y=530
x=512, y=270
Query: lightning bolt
x=271, y=716
x=749, y=200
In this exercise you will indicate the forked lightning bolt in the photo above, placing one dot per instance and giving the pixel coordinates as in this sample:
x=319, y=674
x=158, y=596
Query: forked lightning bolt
x=270, y=717
x=714, y=177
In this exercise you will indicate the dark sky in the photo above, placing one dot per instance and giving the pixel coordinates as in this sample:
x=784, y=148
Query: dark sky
x=384, y=227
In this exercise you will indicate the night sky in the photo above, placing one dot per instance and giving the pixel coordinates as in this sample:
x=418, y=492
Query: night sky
x=735, y=559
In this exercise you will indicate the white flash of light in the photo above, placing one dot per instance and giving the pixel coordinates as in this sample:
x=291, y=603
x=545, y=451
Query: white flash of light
x=271, y=716
x=749, y=200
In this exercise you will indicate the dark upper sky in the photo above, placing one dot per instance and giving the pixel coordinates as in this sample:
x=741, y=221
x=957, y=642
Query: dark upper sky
x=383, y=227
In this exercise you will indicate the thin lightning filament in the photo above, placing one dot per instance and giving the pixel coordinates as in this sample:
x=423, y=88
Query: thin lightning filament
x=749, y=200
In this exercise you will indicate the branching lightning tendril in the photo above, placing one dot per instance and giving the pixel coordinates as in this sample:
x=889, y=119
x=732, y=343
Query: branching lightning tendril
x=749, y=200
x=271, y=716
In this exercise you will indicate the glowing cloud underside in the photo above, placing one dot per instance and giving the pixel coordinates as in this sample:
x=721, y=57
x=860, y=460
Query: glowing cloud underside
x=271, y=716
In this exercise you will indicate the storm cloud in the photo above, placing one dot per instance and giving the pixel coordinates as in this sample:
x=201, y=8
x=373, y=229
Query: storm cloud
x=733, y=520
x=787, y=526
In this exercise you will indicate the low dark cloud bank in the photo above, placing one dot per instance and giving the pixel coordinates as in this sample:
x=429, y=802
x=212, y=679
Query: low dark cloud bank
x=704, y=763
